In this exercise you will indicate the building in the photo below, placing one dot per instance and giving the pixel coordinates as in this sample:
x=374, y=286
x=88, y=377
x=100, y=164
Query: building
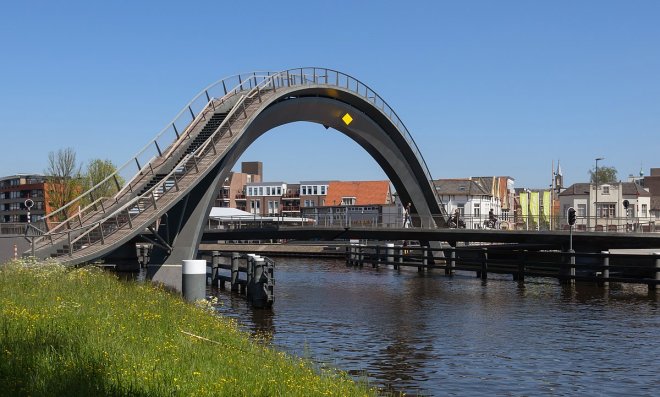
x=471, y=198
x=621, y=206
x=652, y=183
x=313, y=193
x=232, y=191
x=15, y=190
x=264, y=198
x=352, y=203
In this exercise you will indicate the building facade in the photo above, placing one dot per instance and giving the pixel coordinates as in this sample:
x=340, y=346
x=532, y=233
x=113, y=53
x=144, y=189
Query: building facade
x=15, y=190
x=470, y=198
x=622, y=206
x=232, y=191
x=351, y=203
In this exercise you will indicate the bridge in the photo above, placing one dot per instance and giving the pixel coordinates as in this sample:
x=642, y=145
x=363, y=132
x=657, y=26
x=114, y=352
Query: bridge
x=172, y=181
x=558, y=240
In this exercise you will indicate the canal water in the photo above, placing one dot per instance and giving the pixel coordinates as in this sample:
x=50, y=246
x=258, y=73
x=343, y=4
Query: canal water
x=427, y=334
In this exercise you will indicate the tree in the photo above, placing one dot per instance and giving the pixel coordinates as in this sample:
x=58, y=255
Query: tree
x=97, y=171
x=605, y=175
x=63, y=180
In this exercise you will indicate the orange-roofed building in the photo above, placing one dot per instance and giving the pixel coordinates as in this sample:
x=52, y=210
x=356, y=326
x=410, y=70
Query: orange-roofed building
x=355, y=203
x=358, y=193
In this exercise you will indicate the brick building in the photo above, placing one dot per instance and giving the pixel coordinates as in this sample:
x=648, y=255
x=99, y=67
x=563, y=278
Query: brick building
x=15, y=190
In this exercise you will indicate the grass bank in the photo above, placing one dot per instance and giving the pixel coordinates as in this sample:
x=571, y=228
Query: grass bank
x=83, y=332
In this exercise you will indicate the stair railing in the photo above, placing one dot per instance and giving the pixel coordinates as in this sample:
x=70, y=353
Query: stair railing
x=154, y=149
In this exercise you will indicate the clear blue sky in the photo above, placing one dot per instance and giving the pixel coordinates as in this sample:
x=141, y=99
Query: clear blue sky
x=485, y=87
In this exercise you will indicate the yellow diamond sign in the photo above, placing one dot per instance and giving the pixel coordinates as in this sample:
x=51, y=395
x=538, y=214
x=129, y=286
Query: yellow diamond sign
x=347, y=119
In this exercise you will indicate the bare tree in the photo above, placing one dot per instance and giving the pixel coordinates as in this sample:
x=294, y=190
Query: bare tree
x=63, y=179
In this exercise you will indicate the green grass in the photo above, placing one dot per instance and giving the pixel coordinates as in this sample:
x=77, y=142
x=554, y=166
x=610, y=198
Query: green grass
x=82, y=332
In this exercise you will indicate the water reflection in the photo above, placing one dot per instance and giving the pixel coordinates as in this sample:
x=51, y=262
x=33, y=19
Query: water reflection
x=433, y=335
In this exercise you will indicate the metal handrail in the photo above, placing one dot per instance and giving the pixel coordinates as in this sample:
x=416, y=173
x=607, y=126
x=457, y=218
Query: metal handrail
x=274, y=80
x=233, y=90
x=161, y=184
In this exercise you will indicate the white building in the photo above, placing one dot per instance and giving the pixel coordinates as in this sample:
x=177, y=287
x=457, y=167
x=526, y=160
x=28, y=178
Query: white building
x=605, y=208
x=470, y=198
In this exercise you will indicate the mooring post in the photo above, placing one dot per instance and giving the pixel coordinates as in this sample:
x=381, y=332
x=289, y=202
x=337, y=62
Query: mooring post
x=193, y=280
x=484, y=264
x=376, y=263
x=606, y=268
x=234, y=271
x=400, y=250
x=520, y=277
x=449, y=270
x=360, y=254
x=215, y=262
x=425, y=260
x=390, y=252
x=654, y=287
x=572, y=269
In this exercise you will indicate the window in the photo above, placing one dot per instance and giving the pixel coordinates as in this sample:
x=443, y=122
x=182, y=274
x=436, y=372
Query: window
x=644, y=210
x=315, y=189
x=270, y=207
x=606, y=189
x=261, y=191
x=268, y=191
x=348, y=200
x=476, y=207
x=605, y=210
x=461, y=208
x=581, y=210
x=279, y=191
x=323, y=189
x=276, y=207
x=304, y=189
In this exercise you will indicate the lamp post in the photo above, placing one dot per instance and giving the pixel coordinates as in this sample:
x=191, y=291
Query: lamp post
x=596, y=211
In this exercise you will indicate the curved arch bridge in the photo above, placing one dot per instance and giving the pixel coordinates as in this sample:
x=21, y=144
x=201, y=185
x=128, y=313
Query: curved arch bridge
x=168, y=196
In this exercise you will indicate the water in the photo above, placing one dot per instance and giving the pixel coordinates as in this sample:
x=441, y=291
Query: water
x=432, y=335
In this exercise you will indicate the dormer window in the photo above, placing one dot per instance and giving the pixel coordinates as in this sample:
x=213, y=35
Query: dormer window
x=348, y=200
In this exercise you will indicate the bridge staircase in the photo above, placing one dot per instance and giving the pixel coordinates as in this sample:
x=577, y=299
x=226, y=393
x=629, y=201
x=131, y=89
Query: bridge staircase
x=164, y=181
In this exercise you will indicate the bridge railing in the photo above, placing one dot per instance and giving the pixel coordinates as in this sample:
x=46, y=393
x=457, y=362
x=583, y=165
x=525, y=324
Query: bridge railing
x=317, y=75
x=128, y=213
x=196, y=110
x=371, y=220
x=117, y=184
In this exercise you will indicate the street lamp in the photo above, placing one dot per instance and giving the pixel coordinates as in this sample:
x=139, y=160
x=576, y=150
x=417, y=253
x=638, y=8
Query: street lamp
x=596, y=212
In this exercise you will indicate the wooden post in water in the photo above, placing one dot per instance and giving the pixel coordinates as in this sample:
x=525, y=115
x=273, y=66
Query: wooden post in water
x=572, y=269
x=398, y=266
x=425, y=261
x=376, y=263
x=606, y=268
x=654, y=287
x=484, y=264
x=215, y=261
x=390, y=253
x=234, y=271
x=522, y=259
x=449, y=268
